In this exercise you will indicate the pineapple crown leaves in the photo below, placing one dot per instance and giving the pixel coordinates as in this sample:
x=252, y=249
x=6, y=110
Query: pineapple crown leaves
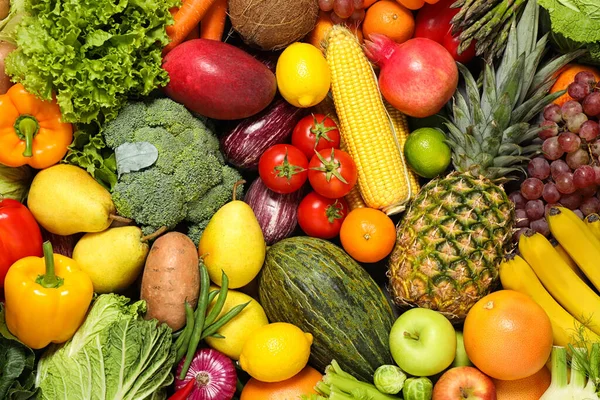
x=490, y=131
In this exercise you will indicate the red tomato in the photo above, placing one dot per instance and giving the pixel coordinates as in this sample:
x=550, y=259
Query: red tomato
x=283, y=168
x=321, y=217
x=332, y=173
x=315, y=132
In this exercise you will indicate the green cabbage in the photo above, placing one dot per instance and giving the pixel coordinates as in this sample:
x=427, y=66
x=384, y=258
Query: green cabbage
x=114, y=355
x=92, y=54
x=15, y=182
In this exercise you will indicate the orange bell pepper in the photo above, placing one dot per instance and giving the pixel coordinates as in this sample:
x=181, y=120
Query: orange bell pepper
x=31, y=130
x=46, y=299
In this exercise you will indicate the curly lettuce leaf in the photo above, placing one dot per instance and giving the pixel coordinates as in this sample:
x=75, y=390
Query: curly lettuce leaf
x=16, y=366
x=91, y=54
x=114, y=355
x=576, y=20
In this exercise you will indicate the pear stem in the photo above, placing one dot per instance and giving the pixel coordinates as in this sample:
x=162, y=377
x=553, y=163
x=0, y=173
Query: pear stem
x=235, y=186
x=118, y=218
x=154, y=235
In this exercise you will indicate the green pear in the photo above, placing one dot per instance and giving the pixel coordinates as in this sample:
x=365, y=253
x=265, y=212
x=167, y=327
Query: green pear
x=113, y=259
x=65, y=199
x=233, y=242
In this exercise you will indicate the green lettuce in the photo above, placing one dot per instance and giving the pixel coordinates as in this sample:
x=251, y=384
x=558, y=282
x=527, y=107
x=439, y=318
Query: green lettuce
x=17, y=362
x=92, y=54
x=114, y=355
x=577, y=21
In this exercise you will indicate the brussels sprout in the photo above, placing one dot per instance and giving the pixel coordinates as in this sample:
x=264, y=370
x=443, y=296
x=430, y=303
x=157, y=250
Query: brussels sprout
x=417, y=389
x=389, y=379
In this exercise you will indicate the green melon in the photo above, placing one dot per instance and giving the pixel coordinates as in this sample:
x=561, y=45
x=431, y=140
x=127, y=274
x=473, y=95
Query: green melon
x=316, y=286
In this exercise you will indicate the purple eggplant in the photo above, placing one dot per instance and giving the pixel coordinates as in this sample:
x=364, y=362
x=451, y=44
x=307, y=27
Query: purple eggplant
x=277, y=214
x=246, y=142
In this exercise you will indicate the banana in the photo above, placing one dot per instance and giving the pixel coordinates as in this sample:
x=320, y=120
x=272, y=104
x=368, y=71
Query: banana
x=567, y=258
x=578, y=240
x=516, y=274
x=592, y=221
x=560, y=280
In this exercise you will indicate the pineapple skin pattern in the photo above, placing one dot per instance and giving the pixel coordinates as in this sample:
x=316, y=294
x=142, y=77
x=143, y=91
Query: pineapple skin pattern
x=450, y=243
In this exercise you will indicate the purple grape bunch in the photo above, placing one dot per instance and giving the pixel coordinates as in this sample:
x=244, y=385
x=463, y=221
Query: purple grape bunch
x=568, y=172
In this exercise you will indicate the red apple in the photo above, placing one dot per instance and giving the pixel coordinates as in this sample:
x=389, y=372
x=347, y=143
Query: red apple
x=417, y=77
x=464, y=383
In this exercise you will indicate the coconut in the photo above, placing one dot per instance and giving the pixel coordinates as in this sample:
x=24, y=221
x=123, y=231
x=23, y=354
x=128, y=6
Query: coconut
x=273, y=24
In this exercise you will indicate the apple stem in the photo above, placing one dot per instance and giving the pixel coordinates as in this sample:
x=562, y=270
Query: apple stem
x=410, y=335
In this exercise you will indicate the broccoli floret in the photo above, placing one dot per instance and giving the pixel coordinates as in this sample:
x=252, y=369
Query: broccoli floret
x=189, y=181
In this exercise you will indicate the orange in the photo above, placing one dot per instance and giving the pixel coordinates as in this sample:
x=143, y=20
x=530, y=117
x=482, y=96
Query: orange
x=391, y=19
x=415, y=4
x=507, y=335
x=368, y=3
x=318, y=35
x=530, y=388
x=368, y=235
x=566, y=77
x=290, y=389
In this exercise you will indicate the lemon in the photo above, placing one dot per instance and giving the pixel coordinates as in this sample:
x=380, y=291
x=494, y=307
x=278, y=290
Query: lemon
x=276, y=352
x=303, y=76
x=239, y=329
x=427, y=153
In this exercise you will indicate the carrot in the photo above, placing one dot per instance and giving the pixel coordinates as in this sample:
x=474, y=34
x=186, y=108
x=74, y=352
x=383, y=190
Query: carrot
x=194, y=34
x=213, y=23
x=187, y=17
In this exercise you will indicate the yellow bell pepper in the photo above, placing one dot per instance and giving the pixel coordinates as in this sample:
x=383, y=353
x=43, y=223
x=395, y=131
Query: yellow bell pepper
x=46, y=299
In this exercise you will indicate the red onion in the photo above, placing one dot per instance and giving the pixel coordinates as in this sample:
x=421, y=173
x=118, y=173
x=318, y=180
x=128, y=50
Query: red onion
x=214, y=373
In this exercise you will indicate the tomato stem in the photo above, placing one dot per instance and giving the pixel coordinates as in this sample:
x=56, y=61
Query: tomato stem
x=320, y=130
x=287, y=170
x=330, y=167
x=334, y=211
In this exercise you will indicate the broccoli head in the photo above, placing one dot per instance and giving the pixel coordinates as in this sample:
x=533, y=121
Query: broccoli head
x=188, y=182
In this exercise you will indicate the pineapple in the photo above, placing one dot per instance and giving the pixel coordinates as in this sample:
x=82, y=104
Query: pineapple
x=458, y=228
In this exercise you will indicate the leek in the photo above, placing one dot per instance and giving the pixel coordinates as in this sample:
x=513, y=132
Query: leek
x=579, y=387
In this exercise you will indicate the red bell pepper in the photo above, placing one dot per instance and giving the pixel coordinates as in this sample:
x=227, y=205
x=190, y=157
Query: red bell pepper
x=184, y=392
x=433, y=22
x=20, y=235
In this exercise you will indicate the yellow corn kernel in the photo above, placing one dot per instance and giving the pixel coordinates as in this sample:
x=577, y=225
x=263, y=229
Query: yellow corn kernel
x=400, y=123
x=365, y=126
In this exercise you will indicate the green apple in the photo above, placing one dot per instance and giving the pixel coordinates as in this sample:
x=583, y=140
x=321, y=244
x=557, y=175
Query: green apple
x=461, y=359
x=423, y=342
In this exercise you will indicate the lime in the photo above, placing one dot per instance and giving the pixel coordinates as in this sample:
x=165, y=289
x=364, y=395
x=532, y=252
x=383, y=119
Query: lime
x=427, y=153
x=303, y=76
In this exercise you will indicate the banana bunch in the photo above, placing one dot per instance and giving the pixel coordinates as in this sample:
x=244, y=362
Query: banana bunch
x=561, y=277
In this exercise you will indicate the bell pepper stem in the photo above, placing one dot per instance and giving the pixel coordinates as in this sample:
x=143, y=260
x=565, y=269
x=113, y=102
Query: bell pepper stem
x=49, y=279
x=27, y=127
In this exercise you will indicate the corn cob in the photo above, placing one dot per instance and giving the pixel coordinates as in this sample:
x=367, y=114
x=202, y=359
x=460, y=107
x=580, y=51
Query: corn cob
x=400, y=123
x=366, y=128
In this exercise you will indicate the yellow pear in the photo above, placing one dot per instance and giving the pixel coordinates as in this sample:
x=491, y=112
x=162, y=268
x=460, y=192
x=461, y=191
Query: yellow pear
x=113, y=259
x=65, y=199
x=234, y=243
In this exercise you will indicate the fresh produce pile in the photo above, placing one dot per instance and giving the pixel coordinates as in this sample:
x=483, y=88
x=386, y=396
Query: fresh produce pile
x=300, y=200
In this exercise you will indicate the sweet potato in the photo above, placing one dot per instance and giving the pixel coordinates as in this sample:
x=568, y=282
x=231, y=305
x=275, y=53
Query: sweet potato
x=4, y=8
x=5, y=48
x=171, y=277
